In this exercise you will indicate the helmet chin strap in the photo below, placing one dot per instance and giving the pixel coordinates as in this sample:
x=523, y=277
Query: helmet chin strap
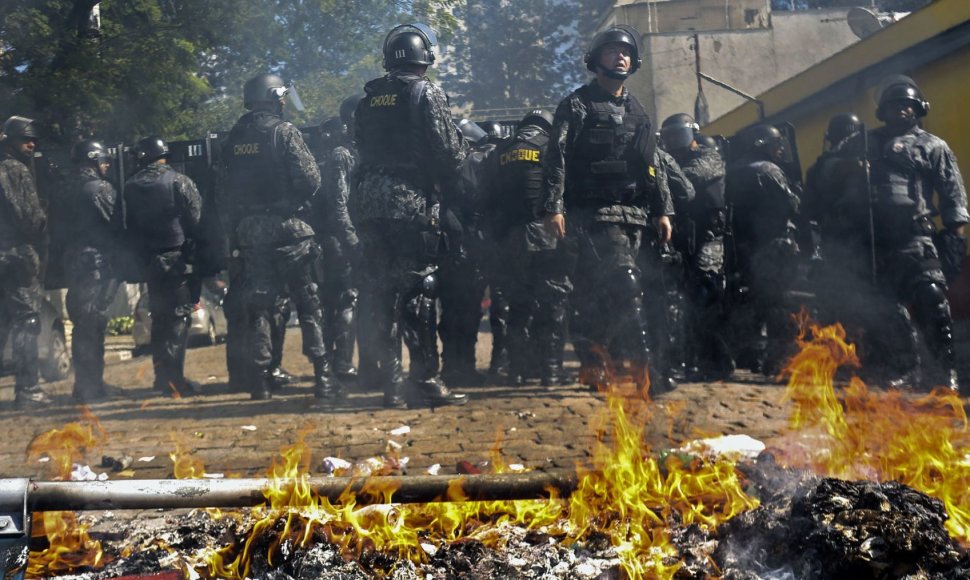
x=613, y=73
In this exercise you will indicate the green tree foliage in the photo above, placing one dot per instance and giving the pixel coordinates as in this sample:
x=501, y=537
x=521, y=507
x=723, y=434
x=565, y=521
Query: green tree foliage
x=511, y=55
x=176, y=67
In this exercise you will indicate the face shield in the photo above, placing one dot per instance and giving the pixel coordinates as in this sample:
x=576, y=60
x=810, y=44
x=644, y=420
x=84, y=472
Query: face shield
x=677, y=137
x=472, y=133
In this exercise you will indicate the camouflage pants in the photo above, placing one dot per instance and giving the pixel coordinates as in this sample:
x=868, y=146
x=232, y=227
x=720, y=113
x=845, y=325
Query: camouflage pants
x=20, y=300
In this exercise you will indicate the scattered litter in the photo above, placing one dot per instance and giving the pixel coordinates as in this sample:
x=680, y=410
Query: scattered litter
x=434, y=469
x=516, y=467
x=213, y=475
x=467, y=468
x=394, y=445
x=524, y=414
x=83, y=473
x=402, y=430
x=248, y=427
x=429, y=549
x=147, y=458
x=44, y=459
x=126, y=473
x=730, y=445
x=333, y=464
x=117, y=464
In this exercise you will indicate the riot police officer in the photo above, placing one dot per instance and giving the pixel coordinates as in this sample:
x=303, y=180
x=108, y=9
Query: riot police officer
x=164, y=209
x=23, y=223
x=765, y=209
x=662, y=267
x=94, y=233
x=338, y=237
x=463, y=273
x=842, y=277
x=270, y=180
x=702, y=243
x=599, y=168
x=533, y=271
x=907, y=164
x=409, y=152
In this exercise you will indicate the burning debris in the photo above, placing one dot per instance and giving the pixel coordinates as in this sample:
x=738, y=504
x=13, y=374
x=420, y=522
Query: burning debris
x=832, y=528
x=631, y=513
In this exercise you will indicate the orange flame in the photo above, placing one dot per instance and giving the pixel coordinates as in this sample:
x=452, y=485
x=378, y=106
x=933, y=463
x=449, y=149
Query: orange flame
x=855, y=433
x=69, y=545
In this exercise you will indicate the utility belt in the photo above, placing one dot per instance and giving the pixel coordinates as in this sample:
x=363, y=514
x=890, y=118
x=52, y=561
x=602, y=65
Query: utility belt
x=283, y=210
x=598, y=196
x=899, y=224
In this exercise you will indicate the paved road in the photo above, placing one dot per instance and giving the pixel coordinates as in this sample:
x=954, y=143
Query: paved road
x=539, y=427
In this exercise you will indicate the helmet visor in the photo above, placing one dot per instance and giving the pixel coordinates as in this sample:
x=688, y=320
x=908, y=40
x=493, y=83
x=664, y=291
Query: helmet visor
x=677, y=137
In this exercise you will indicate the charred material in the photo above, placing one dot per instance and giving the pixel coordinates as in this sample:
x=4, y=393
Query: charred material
x=832, y=529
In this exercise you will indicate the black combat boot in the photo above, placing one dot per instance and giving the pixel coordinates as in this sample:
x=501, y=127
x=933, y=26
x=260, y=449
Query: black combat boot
x=394, y=386
x=325, y=386
x=32, y=396
x=262, y=388
x=280, y=378
x=433, y=392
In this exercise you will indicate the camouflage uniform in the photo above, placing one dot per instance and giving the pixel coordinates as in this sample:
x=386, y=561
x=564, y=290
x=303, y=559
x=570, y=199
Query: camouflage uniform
x=93, y=234
x=905, y=170
x=599, y=169
x=340, y=245
x=23, y=222
x=164, y=209
x=765, y=209
x=703, y=249
x=409, y=147
x=663, y=269
x=271, y=178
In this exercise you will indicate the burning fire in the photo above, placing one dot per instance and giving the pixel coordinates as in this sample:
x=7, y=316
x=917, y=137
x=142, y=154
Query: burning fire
x=882, y=436
x=69, y=545
x=628, y=494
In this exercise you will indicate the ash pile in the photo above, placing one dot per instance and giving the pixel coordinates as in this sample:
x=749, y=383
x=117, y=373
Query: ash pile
x=824, y=529
x=805, y=528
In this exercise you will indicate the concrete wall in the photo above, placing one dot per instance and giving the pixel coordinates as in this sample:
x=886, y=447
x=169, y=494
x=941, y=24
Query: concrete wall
x=753, y=59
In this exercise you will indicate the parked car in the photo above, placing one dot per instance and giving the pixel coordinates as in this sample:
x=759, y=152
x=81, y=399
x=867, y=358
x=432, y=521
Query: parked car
x=53, y=354
x=207, y=326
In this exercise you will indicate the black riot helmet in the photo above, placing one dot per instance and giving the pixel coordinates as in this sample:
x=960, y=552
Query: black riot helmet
x=764, y=141
x=20, y=128
x=901, y=88
x=332, y=127
x=538, y=118
x=841, y=126
x=263, y=88
x=150, y=149
x=492, y=128
x=348, y=107
x=677, y=131
x=622, y=34
x=409, y=44
x=89, y=151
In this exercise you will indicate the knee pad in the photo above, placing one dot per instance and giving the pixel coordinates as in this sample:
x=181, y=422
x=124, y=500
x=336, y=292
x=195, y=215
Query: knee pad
x=624, y=285
x=707, y=289
x=931, y=302
x=426, y=286
x=30, y=325
x=348, y=298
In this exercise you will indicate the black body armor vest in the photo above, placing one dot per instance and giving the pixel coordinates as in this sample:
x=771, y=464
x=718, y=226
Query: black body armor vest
x=518, y=183
x=255, y=181
x=152, y=214
x=612, y=153
x=386, y=121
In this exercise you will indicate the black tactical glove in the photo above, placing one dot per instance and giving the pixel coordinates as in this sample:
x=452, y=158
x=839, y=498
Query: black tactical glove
x=952, y=248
